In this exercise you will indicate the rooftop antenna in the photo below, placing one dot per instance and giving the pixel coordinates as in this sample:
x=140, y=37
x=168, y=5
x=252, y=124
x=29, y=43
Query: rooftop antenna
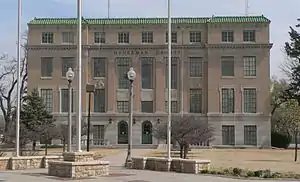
x=108, y=8
x=246, y=7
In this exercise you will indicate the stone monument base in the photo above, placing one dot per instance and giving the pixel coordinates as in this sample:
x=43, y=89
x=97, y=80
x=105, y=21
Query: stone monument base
x=78, y=165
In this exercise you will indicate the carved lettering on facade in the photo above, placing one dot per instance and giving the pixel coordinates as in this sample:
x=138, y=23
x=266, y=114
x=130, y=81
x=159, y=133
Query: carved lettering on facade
x=144, y=52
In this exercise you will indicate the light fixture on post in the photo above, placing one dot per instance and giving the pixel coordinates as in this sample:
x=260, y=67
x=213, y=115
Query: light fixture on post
x=70, y=76
x=131, y=75
x=90, y=88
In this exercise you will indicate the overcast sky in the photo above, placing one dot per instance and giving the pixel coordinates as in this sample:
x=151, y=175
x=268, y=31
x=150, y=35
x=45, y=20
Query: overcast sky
x=281, y=13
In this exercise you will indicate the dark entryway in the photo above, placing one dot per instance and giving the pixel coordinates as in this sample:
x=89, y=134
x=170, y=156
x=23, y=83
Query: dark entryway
x=146, y=132
x=122, y=132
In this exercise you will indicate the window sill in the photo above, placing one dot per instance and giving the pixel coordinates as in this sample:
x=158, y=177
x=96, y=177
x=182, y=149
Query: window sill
x=99, y=78
x=227, y=77
x=46, y=78
x=196, y=77
x=123, y=43
x=227, y=42
x=47, y=43
x=195, y=43
x=98, y=43
x=249, y=42
x=68, y=43
x=250, y=77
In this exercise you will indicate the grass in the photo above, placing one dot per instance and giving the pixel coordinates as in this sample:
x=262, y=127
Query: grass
x=252, y=159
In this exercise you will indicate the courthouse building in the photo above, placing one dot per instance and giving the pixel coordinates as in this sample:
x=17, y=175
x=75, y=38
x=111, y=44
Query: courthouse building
x=220, y=73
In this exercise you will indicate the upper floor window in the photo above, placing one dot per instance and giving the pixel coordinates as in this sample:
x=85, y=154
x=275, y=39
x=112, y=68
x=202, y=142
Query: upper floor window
x=99, y=100
x=99, y=37
x=123, y=37
x=147, y=106
x=122, y=106
x=47, y=37
x=196, y=100
x=147, y=37
x=66, y=63
x=228, y=100
x=195, y=37
x=249, y=35
x=173, y=37
x=250, y=100
x=227, y=36
x=68, y=37
x=46, y=66
x=174, y=106
x=99, y=64
x=249, y=66
x=227, y=66
x=47, y=96
x=195, y=67
x=64, y=100
x=123, y=65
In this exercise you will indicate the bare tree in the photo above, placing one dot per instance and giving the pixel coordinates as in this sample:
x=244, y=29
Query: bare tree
x=8, y=85
x=186, y=130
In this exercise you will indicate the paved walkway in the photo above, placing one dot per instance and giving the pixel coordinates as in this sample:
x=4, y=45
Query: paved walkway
x=118, y=174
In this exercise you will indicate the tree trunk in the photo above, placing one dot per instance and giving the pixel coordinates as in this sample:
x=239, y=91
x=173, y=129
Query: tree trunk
x=64, y=145
x=33, y=145
x=181, y=150
x=296, y=146
x=46, y=148
x=186, y=150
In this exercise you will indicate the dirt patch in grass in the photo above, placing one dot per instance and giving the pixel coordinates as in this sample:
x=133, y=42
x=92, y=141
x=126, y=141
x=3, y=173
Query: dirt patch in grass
x=254, y=159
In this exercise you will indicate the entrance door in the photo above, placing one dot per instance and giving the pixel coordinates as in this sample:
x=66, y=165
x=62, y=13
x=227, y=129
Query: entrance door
x=147, y=132
x=122, y=132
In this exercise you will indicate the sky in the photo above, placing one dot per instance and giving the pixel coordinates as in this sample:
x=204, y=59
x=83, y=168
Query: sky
x=282, y=14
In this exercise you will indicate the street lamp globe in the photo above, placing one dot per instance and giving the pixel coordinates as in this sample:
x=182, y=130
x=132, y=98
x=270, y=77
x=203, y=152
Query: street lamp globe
x=131, y=74
x=70, y=75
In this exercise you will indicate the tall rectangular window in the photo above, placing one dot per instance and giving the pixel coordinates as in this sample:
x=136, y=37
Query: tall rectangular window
x=249, y=66
x=99, y=100
x=249, y=35
x=173, y=37
x=123, y=38
x=174, y=106
x=196, y=67
x=123, y=106
x=64, y=100
x=228, y=99
x=250, y=100
x=174, y=72
x=228, y=135
x=123, y=65
x=196, y=100
x=227, y=36
x=147, y=72
x=99, y=65
x=227, y=65
x=195, y=37
x=67, y=62
x=250, y=135
x=99, y=37
x=68, y=37
x=46, y=66
x=47, y=96
x=147, y=37
x=47, y=37
x=147, y=106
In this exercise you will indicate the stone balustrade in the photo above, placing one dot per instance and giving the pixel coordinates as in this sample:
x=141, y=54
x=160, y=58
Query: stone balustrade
x=175, y=164
x=26, y=162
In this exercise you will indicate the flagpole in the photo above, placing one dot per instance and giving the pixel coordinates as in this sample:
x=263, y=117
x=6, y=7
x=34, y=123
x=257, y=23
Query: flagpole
x=79, y=44
x=169, y=79
x=18, y=79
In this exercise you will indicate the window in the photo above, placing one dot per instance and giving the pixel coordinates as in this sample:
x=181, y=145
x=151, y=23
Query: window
x=228, y=135
x=123, y=38
x=249, y=98
x=123, y=106
x=196, y=100
x=147, y=106
x=228, y=99
x=67, y=62
x=68, y=37
x=249, y=35
x=147, y=37
x=47, y=38
x=174, y=106
x=64, y=100
x=99, y=67
x=227, y=65
x=147, y=72
x=195, y=37
x=250, y=66
x=98, y=134
x=99, y=100
x=99, y=37
x=47, y=96
x=46, y=66
x=250, y=135
x=173, y=37
x=196, y=67
x=123, y=64
x=227, y=36
x=174, y=72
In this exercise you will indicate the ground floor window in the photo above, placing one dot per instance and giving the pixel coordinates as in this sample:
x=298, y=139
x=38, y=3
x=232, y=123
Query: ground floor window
x=228, y=135
x=250, y=135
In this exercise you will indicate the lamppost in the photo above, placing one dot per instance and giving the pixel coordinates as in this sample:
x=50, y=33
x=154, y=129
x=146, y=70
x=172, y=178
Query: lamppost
x=131, y=77
x=90, y=88
x=70, y=76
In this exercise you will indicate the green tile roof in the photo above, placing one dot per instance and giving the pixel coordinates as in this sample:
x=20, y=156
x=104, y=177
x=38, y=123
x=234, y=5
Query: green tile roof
x=132, y=21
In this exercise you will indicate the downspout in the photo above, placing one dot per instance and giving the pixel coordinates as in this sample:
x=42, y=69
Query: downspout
x=181, y=75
